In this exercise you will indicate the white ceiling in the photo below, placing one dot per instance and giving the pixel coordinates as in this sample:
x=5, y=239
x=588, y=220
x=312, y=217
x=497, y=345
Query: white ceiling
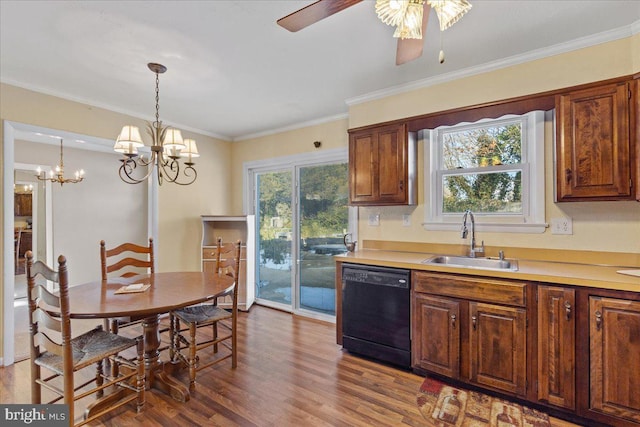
x=233, y=73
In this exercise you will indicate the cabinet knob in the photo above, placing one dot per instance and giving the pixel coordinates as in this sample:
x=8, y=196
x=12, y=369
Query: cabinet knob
x=568, y=175
x=401, y=185
x=453, y=321
x=598, y=320
x=474, y=322
x=567, y=310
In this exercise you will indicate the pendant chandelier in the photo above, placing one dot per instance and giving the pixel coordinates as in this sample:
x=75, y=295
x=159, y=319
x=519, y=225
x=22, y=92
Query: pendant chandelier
x=58, y=176
x=167, y=149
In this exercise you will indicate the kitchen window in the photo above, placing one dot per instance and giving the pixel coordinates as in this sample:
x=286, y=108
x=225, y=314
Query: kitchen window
x=493, y=167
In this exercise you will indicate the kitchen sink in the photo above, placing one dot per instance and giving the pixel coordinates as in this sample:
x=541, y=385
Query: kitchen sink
x=480, y=263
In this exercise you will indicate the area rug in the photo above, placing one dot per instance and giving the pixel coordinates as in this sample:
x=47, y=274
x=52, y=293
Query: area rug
x=446, y=406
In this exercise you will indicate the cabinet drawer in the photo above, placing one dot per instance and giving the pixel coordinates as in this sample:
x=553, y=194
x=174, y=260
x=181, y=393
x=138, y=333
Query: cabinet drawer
x=471, y=288
x=209, y=252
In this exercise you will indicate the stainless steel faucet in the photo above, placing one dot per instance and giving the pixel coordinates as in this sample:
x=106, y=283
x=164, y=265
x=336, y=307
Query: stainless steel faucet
x=473, y=250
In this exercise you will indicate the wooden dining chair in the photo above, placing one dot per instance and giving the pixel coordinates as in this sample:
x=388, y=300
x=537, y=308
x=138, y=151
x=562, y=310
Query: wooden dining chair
x=185, y=322
x=126, y=260
x=54, y=349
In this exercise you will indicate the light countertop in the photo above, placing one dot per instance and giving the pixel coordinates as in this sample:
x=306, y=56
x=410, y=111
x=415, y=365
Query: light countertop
x=597, y=276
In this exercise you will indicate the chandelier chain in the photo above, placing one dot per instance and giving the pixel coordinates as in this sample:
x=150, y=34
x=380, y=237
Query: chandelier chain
x=157, y=98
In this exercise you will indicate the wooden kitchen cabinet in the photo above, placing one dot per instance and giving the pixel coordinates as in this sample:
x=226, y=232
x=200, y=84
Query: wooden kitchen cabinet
x=614, y=354
x=556, y=346
x=471, y=328
x=594, y=149
x=231, y=229
x=499, y=347
x=22, y=204
x=382, y=166
x=438, y=350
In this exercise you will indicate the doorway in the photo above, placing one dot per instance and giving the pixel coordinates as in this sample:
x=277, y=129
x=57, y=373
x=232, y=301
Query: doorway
x=302, y=215
x=79, y=217
x=32, y=219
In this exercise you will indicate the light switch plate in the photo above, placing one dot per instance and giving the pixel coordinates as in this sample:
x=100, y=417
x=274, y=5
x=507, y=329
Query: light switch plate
x=561, y=226
x=374, y=219
x=406, y=220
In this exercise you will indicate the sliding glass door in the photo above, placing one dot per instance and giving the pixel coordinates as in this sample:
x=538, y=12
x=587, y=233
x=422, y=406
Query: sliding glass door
x=323, y=219
x=274, y=237
x=302, y=215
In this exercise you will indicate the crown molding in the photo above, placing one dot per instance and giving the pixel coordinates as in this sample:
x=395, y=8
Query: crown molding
x=580, y=43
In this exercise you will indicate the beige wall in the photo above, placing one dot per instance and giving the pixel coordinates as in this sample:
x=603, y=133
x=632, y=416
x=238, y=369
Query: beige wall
x=179, y=207
x=83, y=214
x=608, y=60
x=332, y=135
x=600, y=226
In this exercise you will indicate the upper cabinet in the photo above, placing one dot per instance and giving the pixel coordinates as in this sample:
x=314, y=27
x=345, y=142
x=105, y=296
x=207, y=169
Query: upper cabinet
x=22, y=204
x=382, y=166
x=596, y=143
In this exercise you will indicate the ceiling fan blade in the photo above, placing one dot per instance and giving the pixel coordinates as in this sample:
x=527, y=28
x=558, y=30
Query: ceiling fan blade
x=410, y=49
x=313, y=13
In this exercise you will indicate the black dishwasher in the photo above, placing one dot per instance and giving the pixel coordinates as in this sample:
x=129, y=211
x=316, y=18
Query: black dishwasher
x=376, y=313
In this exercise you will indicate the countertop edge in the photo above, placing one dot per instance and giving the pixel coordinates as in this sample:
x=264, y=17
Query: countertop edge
x=583, y=275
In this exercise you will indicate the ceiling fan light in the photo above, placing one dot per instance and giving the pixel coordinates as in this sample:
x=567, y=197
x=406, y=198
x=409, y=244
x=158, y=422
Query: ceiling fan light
x=449, y=11
x=391, y=12
x=410, y=26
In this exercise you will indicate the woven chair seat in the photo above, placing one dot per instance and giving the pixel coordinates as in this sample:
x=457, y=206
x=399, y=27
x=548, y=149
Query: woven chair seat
x=199, y=314
x=87, y=349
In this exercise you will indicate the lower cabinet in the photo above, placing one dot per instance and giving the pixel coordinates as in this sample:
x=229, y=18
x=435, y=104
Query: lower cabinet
x=464, y=330
x=499, y=347
x=579, y=356
x=439, y=349
x=614, y=350
x=556, y=346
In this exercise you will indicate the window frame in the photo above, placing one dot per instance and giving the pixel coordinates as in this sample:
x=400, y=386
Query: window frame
x=532, y=218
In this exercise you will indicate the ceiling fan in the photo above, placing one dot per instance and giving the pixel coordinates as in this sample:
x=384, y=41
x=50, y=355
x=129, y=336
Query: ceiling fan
x=409, y=16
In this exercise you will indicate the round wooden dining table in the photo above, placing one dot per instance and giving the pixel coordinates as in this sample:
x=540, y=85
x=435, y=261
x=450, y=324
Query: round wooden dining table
x=167, y=291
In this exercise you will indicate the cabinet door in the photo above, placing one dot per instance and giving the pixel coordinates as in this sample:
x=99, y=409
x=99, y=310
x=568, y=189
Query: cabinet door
x=556, y=346
x=614, y=330
x=498, y=347
x=593, y=144
x=363, y=186
x=22, y=204
x=378, y=168
x=392, y=163
x=436, y=342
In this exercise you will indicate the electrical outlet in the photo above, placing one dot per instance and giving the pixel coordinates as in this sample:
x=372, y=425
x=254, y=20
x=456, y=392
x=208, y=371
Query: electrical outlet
x=406, y=220
x=561, y=226
x=374, y=219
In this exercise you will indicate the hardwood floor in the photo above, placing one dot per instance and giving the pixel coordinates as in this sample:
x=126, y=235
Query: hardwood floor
x=290, y=373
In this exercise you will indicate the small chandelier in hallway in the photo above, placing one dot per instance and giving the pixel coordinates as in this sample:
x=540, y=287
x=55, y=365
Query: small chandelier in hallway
x=58, y=175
